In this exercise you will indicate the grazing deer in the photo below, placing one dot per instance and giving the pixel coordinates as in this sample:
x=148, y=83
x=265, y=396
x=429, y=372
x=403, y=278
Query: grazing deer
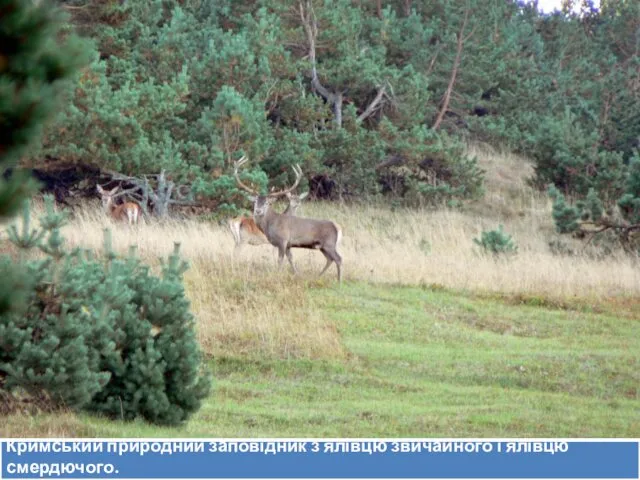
x=288, y=231
x=127, y=211
x=245, y=230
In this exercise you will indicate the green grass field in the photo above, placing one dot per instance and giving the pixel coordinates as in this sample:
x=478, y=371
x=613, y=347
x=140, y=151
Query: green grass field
x=420, y=362
x=427, y=336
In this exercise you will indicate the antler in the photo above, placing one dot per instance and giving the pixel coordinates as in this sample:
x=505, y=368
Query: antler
x=298, y=171
x=237, y=165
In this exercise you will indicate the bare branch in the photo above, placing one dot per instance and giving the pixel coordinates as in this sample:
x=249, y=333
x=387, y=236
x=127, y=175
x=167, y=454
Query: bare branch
x=185, y=203
x=374, y=105
x=131, y=191
x=454, y=71
x=181, y=193
x=432, y=63
x=308, y=18
x=309, y=23
x=154, y=188
x=75, y=7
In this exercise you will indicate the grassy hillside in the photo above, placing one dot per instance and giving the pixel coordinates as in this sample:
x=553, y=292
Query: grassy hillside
x=427, y=337
x=412, y=361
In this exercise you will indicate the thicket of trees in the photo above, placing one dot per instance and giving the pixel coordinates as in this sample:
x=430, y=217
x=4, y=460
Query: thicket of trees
x=368, y=96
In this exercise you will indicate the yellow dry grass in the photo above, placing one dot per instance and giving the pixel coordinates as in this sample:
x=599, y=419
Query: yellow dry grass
x=242, y=305
x=245, y=306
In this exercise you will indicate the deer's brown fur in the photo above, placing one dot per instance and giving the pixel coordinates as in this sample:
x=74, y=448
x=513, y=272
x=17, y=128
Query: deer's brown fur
x=288, y=231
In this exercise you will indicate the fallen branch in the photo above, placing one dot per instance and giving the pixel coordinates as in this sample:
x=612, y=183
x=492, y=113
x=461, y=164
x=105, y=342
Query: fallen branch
x=157, y=189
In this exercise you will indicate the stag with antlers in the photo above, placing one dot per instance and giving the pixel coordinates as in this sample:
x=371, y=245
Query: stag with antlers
x=126, y=212
x=246, y=231
x=288, y=231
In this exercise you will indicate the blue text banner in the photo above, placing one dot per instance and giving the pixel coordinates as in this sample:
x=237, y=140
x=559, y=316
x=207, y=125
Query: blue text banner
x=308, y=458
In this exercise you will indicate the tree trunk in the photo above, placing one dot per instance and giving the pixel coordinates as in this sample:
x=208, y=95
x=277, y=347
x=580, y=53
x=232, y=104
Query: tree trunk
x=311, y=28
x=337, y=108
x=407, y=8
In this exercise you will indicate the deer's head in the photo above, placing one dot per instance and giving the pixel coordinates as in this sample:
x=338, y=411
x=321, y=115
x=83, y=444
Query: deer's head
x=295, y=200
x=262, y=203
x=106, y=196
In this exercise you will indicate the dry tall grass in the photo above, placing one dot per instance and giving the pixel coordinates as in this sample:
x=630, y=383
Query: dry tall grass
x=246, y=307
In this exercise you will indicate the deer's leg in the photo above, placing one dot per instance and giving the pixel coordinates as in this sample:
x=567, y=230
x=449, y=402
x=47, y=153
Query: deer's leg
x=338, y=260
x=290, y=258
x=332, y=256
x=329, y=261
x=238, y=238
x=234, y=228
x=281, y=252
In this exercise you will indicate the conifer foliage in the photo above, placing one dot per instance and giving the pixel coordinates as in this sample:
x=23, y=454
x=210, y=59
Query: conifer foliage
x=373, y=96
x=35, y=66
x=189, y=87
x=100, y=332
x=591, y=216
x=78, y=329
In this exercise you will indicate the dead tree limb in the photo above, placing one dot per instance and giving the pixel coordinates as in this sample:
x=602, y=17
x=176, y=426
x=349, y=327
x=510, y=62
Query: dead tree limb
x=391, y=161
x=375, y=104
x=335, y=99
x=454, y=71
x=157, y=189
x=624, y=231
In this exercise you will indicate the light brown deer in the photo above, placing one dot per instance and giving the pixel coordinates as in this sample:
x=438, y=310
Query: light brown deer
x=288, y=231
x=125, y=212
x=245, y=230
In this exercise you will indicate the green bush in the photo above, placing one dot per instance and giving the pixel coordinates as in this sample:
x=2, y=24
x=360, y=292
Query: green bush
x=36, y=64
x=101, y=333
x=496, y=242
x=612, y=223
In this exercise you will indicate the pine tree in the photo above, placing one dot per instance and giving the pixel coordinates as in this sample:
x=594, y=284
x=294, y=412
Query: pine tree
x=156, y=367
x=35, y=66
x=45, y=348
x=101, y=333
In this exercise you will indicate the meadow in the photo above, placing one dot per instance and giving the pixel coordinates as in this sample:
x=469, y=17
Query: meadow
x=427, y=336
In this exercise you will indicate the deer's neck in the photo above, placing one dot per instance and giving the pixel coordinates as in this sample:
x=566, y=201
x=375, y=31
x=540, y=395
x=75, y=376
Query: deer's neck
x=110, y=207
x=264, y=220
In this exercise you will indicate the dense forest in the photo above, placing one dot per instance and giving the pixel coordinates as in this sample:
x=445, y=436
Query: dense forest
x=369, y=97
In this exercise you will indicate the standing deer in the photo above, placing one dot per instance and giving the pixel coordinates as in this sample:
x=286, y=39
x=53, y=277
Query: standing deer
x=288, y=231
x=245, y=230
x=127, y=211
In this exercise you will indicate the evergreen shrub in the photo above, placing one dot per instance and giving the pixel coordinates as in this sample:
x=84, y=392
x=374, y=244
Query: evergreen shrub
x=100, y=332
x=496, y=242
